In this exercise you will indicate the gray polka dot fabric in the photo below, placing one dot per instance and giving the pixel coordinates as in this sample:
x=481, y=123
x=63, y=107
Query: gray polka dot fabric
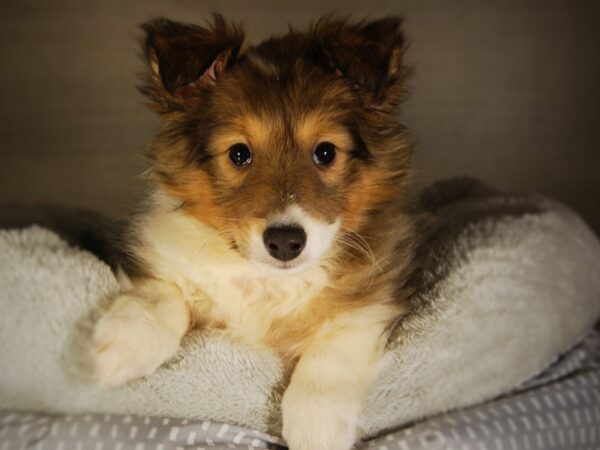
x=113, y=432
x=559, y=409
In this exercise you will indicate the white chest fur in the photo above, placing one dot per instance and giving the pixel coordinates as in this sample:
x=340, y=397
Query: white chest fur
x=216, y=279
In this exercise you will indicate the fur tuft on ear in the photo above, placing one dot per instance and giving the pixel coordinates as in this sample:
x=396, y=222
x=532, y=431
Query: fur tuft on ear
x=369, y=54
x=186, y=60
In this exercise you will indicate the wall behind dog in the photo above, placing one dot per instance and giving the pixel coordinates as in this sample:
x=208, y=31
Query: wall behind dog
x=507, y=91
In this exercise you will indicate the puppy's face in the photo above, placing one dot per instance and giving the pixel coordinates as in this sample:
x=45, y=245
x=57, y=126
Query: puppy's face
x=283, y=148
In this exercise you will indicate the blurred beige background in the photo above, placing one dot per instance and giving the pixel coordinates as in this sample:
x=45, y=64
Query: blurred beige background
x=507, y=91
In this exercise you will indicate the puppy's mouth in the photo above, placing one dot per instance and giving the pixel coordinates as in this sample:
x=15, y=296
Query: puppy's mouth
x=291, y=242
x=284, y=267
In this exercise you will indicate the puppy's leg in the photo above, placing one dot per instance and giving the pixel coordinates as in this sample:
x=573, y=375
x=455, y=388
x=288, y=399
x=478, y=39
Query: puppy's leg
x=141, y=330
x=322, y=404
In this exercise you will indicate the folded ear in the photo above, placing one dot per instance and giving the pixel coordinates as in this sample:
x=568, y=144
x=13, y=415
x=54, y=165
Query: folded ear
x=369, y=54
x=185, y=61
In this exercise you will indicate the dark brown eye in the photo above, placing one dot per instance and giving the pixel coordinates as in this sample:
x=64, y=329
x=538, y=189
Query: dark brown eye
x=324, y=153
x=240, y=155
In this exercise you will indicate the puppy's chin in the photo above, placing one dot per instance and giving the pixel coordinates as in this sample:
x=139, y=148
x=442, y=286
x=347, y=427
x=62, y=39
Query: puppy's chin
x=273, y=267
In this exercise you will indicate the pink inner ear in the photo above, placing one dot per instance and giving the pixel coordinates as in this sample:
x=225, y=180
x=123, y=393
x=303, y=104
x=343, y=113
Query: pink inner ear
x=339, y=74
x=217, y=66
x=207, y=79
x=369, y=101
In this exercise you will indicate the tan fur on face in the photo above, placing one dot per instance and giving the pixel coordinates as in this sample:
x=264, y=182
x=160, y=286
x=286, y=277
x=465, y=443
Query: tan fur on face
x=316, y=127
x=282, y=169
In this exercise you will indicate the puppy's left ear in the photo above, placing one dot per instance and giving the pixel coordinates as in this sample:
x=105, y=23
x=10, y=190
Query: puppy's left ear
x=368, y=54
x=185, y=61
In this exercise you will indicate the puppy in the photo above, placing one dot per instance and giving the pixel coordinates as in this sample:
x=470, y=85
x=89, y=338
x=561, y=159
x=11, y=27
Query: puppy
x=280, y=214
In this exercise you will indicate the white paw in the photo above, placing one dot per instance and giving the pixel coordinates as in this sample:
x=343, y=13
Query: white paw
x=129, y=343
x=319, y=420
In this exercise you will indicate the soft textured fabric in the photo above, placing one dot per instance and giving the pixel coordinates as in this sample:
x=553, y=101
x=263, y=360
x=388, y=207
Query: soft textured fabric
x=513, y=283
x=559, y=409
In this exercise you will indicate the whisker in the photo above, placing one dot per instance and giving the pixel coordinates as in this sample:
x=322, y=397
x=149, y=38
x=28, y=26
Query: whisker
x=357, y=242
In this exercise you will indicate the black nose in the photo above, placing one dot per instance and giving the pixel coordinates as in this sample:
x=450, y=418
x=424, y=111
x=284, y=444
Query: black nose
x=284, y=243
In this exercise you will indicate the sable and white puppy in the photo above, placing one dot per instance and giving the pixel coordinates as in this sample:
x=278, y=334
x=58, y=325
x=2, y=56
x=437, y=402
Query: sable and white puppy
x=279, y=215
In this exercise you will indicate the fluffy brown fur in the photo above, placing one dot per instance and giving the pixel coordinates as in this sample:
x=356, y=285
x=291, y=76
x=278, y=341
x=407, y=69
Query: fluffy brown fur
x=340, y=83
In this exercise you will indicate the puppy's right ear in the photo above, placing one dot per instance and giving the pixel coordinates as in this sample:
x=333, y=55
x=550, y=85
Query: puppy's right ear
x=186, y=61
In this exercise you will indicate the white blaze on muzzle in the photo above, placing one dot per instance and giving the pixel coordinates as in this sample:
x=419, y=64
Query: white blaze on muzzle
x=291, y=241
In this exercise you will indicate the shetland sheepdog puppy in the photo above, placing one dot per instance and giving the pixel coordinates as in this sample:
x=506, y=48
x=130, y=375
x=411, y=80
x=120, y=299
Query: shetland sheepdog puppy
x=279, y=215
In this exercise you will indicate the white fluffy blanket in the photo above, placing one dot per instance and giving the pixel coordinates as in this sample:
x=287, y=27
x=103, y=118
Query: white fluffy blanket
x=515, y=283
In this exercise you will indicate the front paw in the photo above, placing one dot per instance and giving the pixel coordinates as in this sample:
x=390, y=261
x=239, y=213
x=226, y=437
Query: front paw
x=129, y=342
x=316, y=419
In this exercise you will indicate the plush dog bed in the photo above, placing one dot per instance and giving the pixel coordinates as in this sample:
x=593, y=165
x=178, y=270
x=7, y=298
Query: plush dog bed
x=560, y=409
x=513, y=282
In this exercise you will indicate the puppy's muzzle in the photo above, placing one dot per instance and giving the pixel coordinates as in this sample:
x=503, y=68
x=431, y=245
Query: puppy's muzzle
x=284, y=242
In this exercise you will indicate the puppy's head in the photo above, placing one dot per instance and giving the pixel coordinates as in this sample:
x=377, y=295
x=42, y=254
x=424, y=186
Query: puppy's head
x=286, y=147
